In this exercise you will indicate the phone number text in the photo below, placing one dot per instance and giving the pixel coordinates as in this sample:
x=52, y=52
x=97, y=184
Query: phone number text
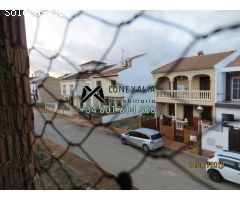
x=124, y=109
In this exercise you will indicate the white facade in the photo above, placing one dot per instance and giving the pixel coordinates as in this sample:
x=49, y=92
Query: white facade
x=220, y=77
x=221, y=111
x=41, y=75
x=215, y=138
x=35, y=92
x=77, y=86
x=221, y=70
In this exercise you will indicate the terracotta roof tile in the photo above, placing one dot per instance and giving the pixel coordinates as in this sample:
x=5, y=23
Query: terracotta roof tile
x=235, y=63
x=192, y=63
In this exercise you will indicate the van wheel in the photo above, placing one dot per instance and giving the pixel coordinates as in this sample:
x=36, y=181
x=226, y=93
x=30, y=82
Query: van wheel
x=145, y=148
x=124, y=142
x=215, y=176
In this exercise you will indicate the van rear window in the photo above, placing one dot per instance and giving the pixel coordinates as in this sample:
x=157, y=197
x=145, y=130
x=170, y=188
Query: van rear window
x=155, y=137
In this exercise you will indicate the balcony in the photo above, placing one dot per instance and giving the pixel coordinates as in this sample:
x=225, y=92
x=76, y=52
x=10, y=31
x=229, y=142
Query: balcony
x=184, y=94
x=185, y=87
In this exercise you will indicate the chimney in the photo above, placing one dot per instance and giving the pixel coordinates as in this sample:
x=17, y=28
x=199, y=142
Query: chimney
x=200, y=53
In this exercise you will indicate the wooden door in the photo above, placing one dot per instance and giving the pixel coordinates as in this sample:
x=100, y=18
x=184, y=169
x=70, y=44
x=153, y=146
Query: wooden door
x=234, y=140
x=188, y=113
x=205, y=83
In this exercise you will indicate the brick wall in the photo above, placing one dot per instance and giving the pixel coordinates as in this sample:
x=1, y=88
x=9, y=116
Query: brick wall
x=152, y=123
x=166, y=130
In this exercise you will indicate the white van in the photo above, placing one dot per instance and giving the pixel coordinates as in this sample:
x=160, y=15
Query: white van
x=229, y=171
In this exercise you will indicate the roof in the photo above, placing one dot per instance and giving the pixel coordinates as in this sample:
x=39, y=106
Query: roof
x=40, y=79
x=110, y=72
x=93, y=62
x=64, y=76
x=147, y=131
x=235, y=63
x=79, y=75
x=85, y=75
x=207, y=61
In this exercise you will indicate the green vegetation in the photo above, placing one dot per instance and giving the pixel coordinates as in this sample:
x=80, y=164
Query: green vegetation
x=148, y=115
x=130, y=123
x=40, y=105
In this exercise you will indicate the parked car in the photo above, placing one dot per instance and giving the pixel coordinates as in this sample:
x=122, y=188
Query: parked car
x=229, y=171
x=144, y=138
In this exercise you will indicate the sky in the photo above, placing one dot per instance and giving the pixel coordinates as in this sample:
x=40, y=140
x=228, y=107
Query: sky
x=88, y=39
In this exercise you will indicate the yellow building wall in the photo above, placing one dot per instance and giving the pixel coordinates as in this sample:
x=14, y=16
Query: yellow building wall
x=163, y=84
x=196, y=83
x=161, y=109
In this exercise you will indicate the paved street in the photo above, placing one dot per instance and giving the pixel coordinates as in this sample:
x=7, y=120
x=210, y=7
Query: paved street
x=111, y=155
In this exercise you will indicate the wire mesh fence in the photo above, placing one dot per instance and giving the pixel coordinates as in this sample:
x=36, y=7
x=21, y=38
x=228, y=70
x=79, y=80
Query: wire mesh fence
x=25, y=152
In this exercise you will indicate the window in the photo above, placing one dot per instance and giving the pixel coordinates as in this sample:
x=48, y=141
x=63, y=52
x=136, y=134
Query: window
x=155, y=137
x=71, y=90
x=181, y=87
x=229, y=163
x=227, y=117
x=64, y=89
x=133, y=134
x=106, y=102
x=99, y=83
x=140, y=135
x=113, y=83
x=145, y=137
x=236, y=88
x=119, y=103
x=112, y=102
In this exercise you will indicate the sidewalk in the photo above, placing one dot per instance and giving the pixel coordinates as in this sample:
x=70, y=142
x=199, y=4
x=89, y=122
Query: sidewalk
x=185, y=148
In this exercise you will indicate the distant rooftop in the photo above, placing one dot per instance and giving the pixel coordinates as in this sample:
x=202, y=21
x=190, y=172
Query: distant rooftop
x=110, y=72
x=95, y=62
x=85, y=75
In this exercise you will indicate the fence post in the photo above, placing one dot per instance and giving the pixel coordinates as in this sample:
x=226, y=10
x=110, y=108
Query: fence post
x=173, y=125
x=17, y=169
x=161, y=124
x=140, y=121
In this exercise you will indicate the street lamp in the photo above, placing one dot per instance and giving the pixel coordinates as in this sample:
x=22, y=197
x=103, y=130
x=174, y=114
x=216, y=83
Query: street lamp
x=200, y=110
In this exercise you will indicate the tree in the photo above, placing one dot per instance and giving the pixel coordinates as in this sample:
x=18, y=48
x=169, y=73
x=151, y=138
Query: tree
x=17, y=166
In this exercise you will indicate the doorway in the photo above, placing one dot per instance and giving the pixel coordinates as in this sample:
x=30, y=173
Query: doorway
x=204, y=83
x=188, y=113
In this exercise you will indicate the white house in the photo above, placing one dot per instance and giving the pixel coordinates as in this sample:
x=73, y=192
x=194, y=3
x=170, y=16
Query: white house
x=92, y=74
x=226, y=134
x=228, y=88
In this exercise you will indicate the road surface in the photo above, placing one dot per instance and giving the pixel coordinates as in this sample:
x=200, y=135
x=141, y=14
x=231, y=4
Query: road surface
x=106, y=149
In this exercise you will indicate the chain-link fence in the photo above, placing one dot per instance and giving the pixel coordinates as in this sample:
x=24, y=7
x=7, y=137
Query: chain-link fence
x=30, y=157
